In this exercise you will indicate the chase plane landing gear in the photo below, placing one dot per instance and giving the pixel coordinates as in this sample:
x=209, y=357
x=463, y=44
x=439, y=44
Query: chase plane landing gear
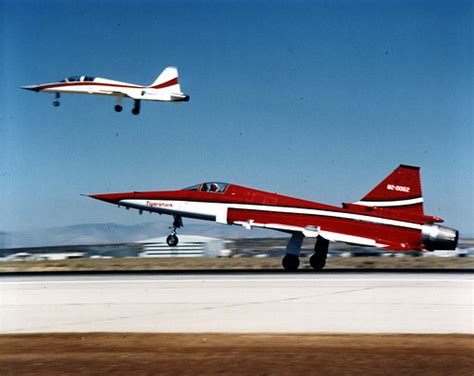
x=318, y=258
x=172, y=238
x=118, y=106
x=291, y=261
x=136, y=107
x=56, y=102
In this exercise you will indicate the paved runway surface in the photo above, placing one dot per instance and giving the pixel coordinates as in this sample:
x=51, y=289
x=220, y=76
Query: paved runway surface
x=299, y=303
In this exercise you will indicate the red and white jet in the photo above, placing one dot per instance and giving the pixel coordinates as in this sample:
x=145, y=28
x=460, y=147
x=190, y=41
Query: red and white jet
x=390, y=216
x=166, y=88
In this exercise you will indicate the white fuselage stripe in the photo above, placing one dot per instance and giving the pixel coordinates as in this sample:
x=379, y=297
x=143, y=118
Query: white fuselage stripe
x=142, y=93
x=411, y=201
x=217, y=209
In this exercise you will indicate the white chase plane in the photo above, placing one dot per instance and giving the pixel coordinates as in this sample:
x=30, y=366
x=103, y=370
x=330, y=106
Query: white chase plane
x=165, y=89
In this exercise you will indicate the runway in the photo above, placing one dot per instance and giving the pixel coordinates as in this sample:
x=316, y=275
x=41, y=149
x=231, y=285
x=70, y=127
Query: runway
x=247, y=303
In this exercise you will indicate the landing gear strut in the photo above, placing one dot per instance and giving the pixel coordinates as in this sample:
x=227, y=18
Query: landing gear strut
x=118, y=106
x=172, y=238
x=291, y=261
x=318, y=258
x=136, y=107
x=56, y=102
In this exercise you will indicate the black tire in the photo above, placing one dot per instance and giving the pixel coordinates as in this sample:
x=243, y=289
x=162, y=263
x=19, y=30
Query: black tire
x=172, y=240
x=290, y=262
x=135, y=111
x=56, y=103
x=317, y=261
x=118, y=108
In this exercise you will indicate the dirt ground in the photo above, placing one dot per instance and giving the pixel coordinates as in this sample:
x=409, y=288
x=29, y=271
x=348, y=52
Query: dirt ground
x=243, y=263
x=221, y=354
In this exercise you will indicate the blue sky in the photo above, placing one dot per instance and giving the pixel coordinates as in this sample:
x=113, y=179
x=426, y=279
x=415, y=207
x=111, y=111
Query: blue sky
x=319, y=100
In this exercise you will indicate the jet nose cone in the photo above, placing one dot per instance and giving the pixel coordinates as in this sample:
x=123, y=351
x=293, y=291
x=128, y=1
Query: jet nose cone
x=30, y=87
x=112, y=198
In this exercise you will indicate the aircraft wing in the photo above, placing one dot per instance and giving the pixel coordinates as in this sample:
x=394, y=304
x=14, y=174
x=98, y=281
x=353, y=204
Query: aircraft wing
x=313, y=232
x=309, y=231
x=118, y=93
x=350, y=239
x=144, y=95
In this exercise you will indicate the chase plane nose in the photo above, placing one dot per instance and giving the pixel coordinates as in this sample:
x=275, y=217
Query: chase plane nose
x=30, y=87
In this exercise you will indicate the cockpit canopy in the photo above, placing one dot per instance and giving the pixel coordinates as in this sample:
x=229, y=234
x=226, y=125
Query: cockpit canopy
x=79, y=79
x=214, y=187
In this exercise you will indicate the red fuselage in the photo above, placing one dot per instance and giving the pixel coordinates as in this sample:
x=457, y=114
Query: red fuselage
x=232, y=204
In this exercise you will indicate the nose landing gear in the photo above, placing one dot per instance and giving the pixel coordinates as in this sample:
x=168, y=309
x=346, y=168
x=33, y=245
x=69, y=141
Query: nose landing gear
x=172, y=239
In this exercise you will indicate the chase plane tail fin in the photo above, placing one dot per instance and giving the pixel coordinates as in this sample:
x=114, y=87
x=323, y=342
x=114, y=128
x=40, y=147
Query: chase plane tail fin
x=167, y=80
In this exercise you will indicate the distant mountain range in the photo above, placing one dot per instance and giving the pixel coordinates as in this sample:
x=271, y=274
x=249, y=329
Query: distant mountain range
x=107, y=233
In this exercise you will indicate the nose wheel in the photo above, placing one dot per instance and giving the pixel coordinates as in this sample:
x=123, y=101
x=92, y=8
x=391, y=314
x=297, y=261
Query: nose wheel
x=172, y=239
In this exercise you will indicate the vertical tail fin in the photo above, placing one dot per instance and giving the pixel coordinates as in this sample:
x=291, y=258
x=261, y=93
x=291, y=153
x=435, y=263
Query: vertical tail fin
x=168, y=79
x=401, y=190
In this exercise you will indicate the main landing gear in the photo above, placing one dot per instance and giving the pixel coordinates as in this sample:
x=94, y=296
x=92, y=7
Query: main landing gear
x=172, y=238
x=318, y=258
x=56, y=102
x=136, y=107
x=291, y=260
x=118, y=106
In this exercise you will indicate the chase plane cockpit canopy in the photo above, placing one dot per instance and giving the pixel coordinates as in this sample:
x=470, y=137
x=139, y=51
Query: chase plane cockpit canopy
x=79, y=79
